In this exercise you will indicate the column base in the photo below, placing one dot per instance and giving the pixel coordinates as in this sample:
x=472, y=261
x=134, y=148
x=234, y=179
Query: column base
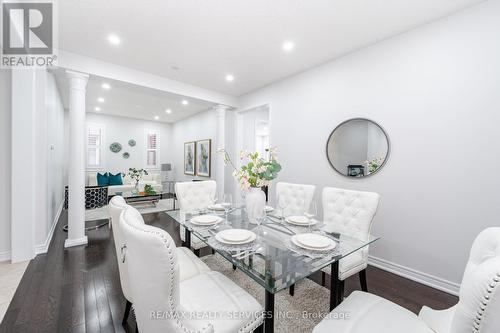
x=75, y=242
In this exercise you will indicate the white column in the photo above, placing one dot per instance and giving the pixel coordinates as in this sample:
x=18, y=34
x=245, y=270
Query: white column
x=221, y=143
x=76, y=172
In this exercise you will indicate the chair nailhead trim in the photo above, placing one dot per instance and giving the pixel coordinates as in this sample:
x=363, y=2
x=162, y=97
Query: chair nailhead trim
x=486, y=299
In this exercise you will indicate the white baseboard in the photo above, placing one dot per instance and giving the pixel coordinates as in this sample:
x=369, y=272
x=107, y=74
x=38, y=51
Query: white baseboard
x=5, y=256
x=75, y=242
x=417, y=276
x=43, y=248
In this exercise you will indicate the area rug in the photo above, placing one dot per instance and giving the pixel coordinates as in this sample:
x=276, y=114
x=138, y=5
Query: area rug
x=299, y=313
x=102, y=213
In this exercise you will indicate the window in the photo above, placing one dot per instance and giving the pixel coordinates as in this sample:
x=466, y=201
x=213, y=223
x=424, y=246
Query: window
x=95, y=142
x=152, y=149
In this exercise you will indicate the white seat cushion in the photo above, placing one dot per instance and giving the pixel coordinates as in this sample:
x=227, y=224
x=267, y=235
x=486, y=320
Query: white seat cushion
x=367, y=313
x=214, y=293
x=350, y=265
x=189, y=264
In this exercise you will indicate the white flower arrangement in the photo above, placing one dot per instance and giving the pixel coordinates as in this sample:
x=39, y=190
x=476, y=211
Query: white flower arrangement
x=258, y=171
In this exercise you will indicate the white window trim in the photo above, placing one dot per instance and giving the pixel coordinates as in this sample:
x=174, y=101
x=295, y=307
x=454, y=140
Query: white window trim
x=102, y=127
x=158, y=146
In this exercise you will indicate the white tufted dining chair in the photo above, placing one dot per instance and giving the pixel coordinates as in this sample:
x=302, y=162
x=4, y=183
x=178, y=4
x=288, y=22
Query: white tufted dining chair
x=190, y=265
x=350, y=213
x=208, y=302
x=193, y=196
x=296, y=197
x=476, y=312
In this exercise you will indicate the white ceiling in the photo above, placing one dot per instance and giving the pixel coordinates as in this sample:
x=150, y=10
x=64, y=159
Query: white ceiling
x=208, y=39
x=128, y=100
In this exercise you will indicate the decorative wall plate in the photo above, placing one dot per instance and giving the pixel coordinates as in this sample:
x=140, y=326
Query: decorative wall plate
x=132, y=143
x=115, y=147
x=126, y=155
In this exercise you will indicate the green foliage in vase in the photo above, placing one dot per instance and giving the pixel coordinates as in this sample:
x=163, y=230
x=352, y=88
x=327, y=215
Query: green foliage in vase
x=136, y=174
x=374, y=164
x=148, y=189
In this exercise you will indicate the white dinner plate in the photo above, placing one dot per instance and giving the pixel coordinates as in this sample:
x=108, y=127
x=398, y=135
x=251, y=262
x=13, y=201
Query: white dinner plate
x=268, y=209
x=205, y=219
x=300, y=220
x=216, y=207
x=314, y=242
x=235, y=236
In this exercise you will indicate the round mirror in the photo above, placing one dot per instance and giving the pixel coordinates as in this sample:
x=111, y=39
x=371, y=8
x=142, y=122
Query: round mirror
x=357, y=148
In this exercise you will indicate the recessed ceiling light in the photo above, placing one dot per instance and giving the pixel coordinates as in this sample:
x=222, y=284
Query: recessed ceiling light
x=114, y=39
x=97, y=109
x=288, y=46
x=100, y=100
x=156, y=117
x=229, y=78
x=168, y=111
x=185, y=102
x=106, y=86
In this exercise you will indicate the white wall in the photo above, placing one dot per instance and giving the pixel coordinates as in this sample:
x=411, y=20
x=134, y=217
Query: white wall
x=5, y=170
x=121, y=130
x=37, y=122
x=436, y=92
x=198, y=127
x=55, y=147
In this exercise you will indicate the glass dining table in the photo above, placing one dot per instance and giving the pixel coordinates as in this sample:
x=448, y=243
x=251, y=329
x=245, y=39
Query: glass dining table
x=272, y=260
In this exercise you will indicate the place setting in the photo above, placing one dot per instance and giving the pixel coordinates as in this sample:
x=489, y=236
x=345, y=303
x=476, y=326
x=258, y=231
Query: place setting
x=234, y=240
x=204, y=222
x=313, y=245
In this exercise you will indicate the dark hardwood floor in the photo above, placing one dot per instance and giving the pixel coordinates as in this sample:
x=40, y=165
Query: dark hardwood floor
x=78, y=289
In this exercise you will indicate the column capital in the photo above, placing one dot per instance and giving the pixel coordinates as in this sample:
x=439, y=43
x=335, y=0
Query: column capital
x=77, y=79
x=221, y=109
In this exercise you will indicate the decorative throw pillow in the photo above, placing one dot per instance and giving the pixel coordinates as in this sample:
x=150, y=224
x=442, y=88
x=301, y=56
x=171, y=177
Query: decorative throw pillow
x=115, y=179
x=102, y=179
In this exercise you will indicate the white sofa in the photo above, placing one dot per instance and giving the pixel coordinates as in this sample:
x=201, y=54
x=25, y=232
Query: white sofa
x=153, y=179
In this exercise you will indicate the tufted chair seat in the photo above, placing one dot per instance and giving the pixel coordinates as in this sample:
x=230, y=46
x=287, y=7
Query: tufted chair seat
x=476, y=312
x=208, y=302
x=296, y=197
x=350, y=213
x=189, y=264
x=193, y=196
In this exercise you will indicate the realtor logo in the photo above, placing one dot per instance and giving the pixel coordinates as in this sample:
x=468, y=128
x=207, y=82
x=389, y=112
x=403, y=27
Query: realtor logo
x=27, y=34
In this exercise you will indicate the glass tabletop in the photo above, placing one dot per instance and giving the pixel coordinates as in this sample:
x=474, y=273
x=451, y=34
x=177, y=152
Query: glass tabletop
x=272, y=260
x=132, y=194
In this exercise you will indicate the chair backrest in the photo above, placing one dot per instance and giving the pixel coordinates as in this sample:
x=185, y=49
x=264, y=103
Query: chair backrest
x=115, y=207
x=297, y=197
x=153, y=274
x=349, y=212
x=479, y=306
x=195, y=195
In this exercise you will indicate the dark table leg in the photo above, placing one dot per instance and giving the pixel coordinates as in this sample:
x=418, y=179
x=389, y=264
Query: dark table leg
x=334, y=286
x=187, y=241
x=269, y=313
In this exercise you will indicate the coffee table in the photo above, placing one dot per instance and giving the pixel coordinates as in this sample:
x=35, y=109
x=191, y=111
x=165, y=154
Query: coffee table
x=141, y=197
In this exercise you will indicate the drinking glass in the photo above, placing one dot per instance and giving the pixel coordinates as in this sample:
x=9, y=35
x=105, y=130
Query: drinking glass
x=227, y=203
x=282, y=204
x=311, y=212
x=261, y=218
